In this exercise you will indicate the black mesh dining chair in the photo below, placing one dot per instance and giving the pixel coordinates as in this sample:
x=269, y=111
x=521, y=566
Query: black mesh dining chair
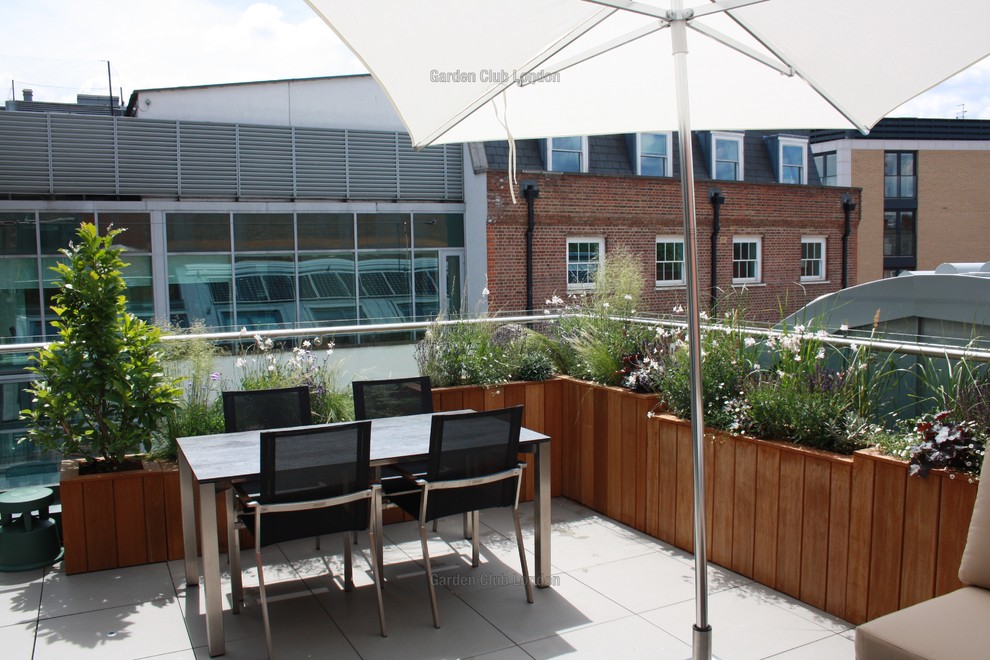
x=254, y=410
x=393, y=397
x=472, y=466
x=315, y=481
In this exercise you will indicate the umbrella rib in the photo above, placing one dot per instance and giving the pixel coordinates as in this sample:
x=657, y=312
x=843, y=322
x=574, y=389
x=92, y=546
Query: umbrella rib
x=781, y=66
x=634, y=7
x=723, y=6
x=612, y=44
x=863, y=128
x=666, y=15
x=525, y=69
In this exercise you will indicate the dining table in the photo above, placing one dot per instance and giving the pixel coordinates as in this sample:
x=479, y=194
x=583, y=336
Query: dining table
x=209, y=464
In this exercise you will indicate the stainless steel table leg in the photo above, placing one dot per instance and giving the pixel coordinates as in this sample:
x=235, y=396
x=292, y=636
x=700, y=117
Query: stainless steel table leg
x=233, y=554
x=541, y=509
x=187, y=497
x=468, y=526
x=211, y=568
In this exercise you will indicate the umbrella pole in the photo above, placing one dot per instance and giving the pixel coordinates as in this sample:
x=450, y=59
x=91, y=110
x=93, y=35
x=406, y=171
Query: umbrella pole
x=702, y=634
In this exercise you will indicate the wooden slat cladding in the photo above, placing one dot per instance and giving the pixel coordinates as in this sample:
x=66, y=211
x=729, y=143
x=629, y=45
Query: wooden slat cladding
x=851, y=535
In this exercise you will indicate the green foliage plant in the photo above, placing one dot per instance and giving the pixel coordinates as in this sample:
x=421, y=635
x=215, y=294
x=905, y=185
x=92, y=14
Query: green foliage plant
x=943, y=442
x=483, y=352
x=960, y=386
x=192, y=363
x=597, y=337
x=101, y=387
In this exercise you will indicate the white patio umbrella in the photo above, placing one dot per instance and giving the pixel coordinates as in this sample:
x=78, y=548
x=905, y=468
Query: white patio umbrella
x=462, y=71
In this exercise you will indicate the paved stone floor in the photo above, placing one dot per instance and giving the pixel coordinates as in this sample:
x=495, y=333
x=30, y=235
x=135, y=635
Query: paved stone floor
x=618, y=594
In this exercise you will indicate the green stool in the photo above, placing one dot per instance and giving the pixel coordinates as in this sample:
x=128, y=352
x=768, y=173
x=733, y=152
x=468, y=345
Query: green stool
x=27, y=541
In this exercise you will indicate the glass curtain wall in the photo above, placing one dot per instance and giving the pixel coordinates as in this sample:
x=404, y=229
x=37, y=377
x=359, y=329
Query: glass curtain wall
x=266, y=270
x=29, y=248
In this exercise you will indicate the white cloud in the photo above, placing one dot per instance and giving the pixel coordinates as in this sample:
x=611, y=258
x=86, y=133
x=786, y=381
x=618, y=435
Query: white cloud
x=970, y=88
x=58, y=46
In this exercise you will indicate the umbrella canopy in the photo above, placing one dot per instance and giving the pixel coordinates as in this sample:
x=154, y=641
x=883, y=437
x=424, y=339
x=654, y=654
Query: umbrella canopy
x=460, y=71
x=450, y=66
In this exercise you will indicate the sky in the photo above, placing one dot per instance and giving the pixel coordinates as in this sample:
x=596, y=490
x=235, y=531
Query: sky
x=61, y=47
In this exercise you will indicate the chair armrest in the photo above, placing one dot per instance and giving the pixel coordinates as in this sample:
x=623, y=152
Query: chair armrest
x=245, y=498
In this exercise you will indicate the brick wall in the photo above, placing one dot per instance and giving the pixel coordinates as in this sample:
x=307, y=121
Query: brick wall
x=953, y=207
x=867, y=168
x=629, y=212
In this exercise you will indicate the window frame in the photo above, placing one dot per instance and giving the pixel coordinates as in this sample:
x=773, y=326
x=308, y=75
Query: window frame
x=822, y=161
x=581, y=286
x=739, y=139
x=818, y=240
x=673, y=239
x=900, y=178
x=583, y=154
x=668, y=166
x=801, y=143
x=758, y=275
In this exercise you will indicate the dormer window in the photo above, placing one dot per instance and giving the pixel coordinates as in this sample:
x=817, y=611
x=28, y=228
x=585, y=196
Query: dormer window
x=789, y=155
x=653, y=154
x=567, y=154
x=726, y=156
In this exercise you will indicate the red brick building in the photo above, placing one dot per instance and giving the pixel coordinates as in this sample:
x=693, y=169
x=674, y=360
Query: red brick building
x=779, y=245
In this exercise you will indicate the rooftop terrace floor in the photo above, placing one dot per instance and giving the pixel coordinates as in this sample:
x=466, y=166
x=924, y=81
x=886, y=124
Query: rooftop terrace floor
x=619, y=593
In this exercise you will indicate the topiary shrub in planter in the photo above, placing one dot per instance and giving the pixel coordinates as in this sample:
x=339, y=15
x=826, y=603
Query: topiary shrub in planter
x=100, y=392
x=101, y=388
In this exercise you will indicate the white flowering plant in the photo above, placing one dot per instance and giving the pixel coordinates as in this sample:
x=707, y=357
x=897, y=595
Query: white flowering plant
x=266, y=364
x=728, y=364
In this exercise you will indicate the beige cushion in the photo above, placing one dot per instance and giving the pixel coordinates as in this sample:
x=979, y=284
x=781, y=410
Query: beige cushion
x=975, y=566
x=950, y=627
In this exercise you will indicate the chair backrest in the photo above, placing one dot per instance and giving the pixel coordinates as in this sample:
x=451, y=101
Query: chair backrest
x=394, y=397
x=468, y=445
x=314, y=463
x=256, y=410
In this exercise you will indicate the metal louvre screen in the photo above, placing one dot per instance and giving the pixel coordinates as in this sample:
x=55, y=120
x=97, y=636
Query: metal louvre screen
x=24, y=154
x=454, y=172
x=321, y=163
x=208, y=159
x=265, y=161
x=147, y=151
x=88, y=155
x=372, y=163
x=421, y=173
x=83, y=152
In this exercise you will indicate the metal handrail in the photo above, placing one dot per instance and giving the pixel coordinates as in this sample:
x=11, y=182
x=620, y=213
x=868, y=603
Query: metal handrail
x=842, y=339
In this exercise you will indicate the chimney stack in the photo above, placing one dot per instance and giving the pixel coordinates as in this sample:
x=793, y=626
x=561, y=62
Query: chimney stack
x=28, y=94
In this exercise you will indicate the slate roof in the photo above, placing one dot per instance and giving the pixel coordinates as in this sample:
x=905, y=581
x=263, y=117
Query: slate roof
x=610, y=155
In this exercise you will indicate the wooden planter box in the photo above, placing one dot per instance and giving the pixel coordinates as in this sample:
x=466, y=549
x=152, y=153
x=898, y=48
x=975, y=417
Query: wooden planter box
x=851, y=535
x=125, y=519
x=112, y=520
